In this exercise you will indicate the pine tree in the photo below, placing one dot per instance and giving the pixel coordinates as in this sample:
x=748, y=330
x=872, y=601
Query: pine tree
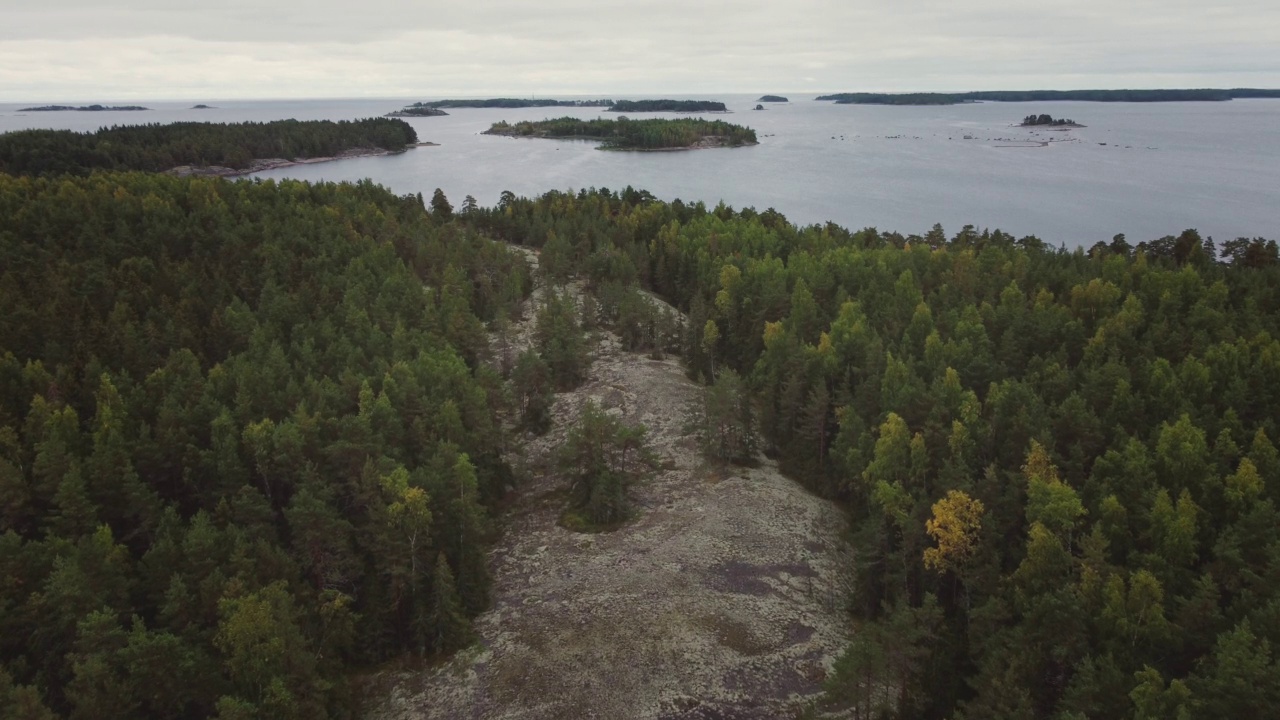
x=440, y=207
x=447, y=627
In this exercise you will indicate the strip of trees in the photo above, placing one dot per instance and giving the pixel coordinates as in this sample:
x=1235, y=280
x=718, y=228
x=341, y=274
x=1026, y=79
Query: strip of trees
x=159, y=147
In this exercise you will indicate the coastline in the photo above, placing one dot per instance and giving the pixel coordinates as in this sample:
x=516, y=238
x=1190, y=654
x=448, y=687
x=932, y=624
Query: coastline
x=707, y=143
x=263, y=164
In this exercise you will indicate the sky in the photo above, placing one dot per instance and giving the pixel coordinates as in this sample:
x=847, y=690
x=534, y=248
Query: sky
x=103, y=50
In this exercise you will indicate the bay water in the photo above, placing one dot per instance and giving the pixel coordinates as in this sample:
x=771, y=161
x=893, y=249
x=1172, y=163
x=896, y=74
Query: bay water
x=1143, y=169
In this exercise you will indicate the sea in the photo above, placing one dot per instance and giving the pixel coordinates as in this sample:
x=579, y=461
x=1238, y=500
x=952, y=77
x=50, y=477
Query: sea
x=1143, y=169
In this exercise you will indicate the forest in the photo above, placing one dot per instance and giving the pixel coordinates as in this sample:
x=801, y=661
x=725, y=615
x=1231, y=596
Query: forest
x=1172, y=95
x=626, y=134
x=159, y=147
x=252, y=435
x=1060, y=466
x=668, y=106
x=247, y=441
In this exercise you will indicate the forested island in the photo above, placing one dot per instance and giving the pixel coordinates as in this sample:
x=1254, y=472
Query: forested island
x=627, y=134
x=513, y=103
x=772, y=98
x=257, y=438
x=418, y=110
x=1049, y=121
x=250, y=432
x=689, y=106
x=202, y=107
x=83, y=108
x=1198, y=95
x=225, y=146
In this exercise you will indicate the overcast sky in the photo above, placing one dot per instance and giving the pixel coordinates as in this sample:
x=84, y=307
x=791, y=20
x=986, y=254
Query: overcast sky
x=88, y=50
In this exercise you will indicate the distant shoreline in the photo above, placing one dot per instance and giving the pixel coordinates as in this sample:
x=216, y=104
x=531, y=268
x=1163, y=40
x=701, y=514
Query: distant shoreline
x=258, y=165
x=84, y=108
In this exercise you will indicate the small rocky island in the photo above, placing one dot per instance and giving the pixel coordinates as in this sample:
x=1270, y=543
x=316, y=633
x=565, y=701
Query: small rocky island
x=1045, y=120
x=418, y=110
x=202, y=107
x=640, y=135
x=772, y=98
x=758, y=107
x=83, y=108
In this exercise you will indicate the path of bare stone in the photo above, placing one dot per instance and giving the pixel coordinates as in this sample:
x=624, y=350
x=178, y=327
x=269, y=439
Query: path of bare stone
x=722, y=599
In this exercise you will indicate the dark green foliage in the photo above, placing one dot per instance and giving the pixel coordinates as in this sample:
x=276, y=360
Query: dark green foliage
x=1045, y=119
x=240, y=424
x=726, y=422
x=626, y=134
x=157, y=147
x=668, y=106
x=1114, y=413
x=602, y=458
x=560, y=341
x=531, y=379
x=449, y=627
x=440, y=207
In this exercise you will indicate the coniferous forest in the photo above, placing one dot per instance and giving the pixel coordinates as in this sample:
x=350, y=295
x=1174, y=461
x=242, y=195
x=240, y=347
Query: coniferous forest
x=245, y=442
x=1060, y=467
x=627, y=134
x=159, y=147
x=250, y=440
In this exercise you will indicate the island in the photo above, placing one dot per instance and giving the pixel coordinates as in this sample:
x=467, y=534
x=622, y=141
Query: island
x=84, y=108
x=1050, y=121
x=772, y=98
x=417, y=110
x=627, y=134
x=690, y=106
x=200, y=148
x=758, y=107
x=513, y=103
x=1197, y=95
x=202, y=107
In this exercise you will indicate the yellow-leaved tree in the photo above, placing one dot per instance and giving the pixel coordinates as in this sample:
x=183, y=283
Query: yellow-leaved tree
x=956, y=521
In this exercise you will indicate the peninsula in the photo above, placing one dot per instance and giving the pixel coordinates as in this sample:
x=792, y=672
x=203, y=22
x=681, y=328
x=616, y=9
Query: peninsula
x=83, y=108
x=690, y=106
x=1199, y=95
x=772, y=98
x=199, y=148
x=625, y=134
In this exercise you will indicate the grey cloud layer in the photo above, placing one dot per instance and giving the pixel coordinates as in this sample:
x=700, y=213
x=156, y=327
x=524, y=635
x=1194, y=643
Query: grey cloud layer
x=75, y=49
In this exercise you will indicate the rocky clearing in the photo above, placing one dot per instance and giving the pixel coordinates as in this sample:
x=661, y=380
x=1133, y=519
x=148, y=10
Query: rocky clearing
x=722, y=599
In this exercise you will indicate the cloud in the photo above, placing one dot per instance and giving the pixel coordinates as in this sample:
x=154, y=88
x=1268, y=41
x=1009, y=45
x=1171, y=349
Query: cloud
x=82, y=50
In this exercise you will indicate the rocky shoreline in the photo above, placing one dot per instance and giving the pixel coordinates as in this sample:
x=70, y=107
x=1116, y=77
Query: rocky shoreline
x=262, y=164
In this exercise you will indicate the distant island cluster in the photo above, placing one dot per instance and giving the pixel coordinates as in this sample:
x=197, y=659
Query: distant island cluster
x=435, y=108
x=1198, y=95
x=83, y=108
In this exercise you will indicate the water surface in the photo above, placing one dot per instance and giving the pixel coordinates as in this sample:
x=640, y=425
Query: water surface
x=1146, y=170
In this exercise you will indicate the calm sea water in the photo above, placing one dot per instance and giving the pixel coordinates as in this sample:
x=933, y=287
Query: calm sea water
x=1145, y=170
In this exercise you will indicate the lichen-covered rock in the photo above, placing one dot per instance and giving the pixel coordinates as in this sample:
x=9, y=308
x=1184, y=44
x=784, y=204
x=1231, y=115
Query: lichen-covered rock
x=722, y=598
